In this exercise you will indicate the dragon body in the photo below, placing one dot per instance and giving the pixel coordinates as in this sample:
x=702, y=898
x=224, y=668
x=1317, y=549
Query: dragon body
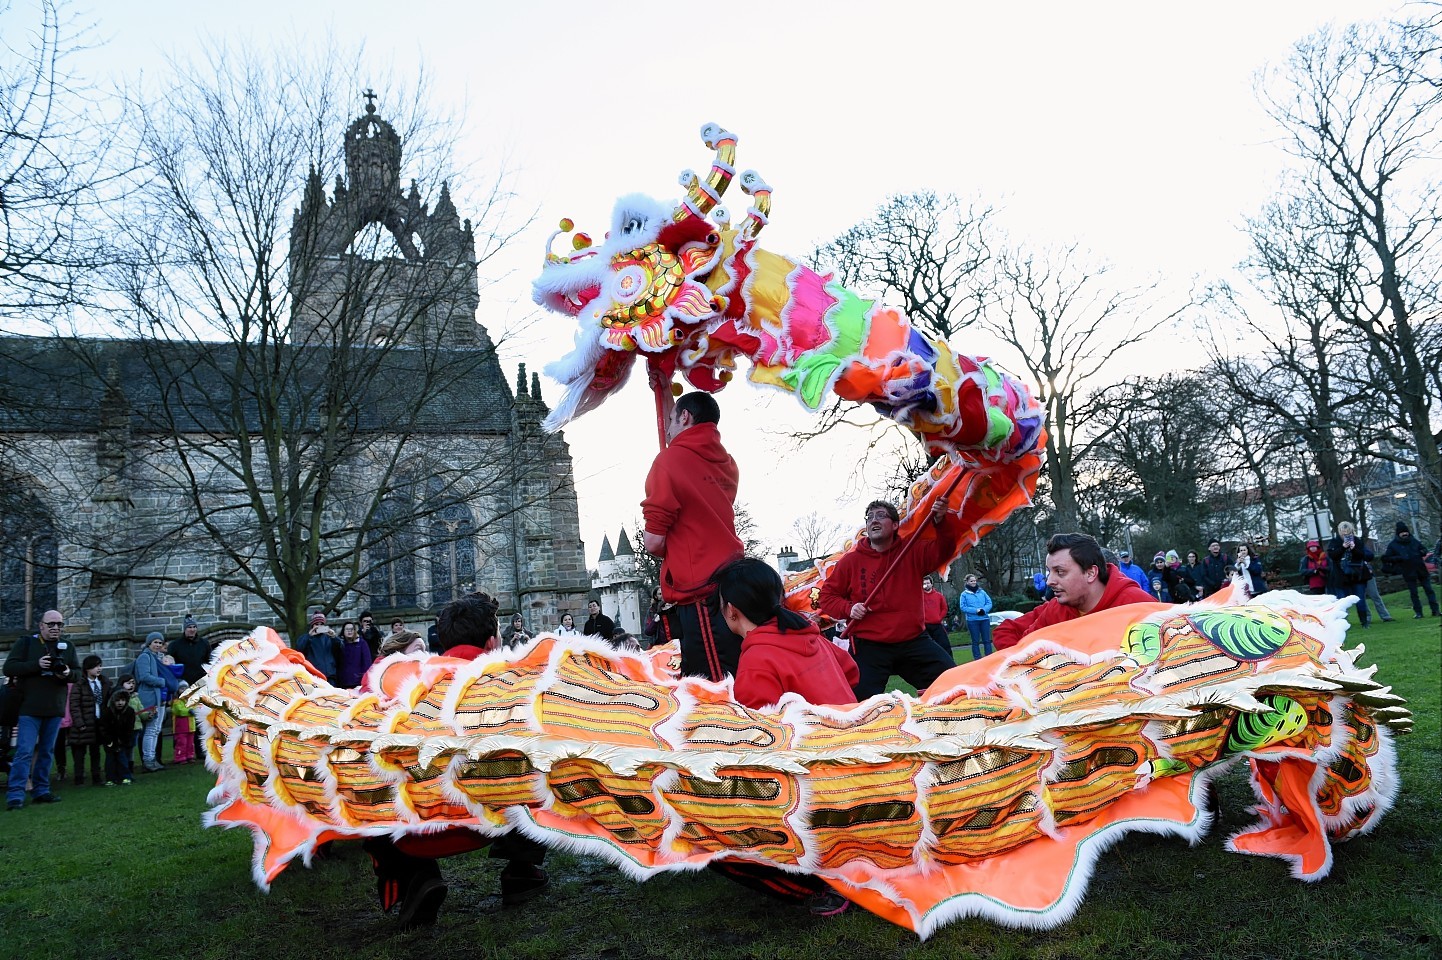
x=991, y=795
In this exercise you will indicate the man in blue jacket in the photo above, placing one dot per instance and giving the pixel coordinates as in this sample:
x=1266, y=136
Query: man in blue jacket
x=1133, y=571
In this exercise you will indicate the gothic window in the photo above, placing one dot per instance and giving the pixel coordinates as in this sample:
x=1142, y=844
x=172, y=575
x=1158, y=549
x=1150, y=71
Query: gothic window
x=28, y=558
x=391, y=555
x=453, y=553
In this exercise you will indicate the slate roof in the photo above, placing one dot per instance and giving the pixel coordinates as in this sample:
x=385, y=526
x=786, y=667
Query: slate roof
x=69, y=385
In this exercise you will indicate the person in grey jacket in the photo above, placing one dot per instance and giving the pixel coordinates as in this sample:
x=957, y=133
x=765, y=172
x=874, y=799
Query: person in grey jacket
x=44, y=664
x=157, y=685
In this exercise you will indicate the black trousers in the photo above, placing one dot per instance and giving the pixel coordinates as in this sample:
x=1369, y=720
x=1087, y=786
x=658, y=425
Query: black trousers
x=918, y=661
x=77, y=763
x=937, y=632
x=708, y=647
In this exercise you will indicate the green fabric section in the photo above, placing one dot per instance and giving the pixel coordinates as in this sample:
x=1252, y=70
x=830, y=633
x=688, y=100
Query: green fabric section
x=993, y=379
x=998, y=426
x=813, y=370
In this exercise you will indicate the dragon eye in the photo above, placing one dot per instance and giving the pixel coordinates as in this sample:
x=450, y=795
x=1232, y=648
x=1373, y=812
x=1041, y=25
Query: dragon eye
x=632, y=225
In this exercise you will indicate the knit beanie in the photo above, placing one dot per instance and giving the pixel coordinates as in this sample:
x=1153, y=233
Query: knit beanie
x=1402, y=527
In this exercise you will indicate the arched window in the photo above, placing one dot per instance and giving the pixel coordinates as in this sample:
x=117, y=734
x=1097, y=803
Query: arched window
x=28, y=558
x=391, y=555
x=453, y=553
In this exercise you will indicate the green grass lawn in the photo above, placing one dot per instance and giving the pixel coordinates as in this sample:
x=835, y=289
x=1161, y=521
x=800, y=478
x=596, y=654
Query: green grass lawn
x=128, y=872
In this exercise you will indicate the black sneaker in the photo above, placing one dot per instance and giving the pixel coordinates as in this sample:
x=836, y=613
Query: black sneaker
x=45, y=798
x=15, y=805
x=521, y=883
x=422, y=903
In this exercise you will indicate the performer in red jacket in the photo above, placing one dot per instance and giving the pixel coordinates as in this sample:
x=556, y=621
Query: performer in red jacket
x=886, y=629
x=1081, y=582
x=781, y=651
x=691, y=525
x=933, y=614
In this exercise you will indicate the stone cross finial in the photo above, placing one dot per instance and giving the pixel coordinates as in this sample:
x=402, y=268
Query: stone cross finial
x=370, y=97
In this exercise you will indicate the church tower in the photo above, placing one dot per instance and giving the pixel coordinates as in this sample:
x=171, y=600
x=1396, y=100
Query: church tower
x=372, y=263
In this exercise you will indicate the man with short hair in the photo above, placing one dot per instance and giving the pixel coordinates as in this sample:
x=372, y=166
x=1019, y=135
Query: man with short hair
x=406, y=870
x=370, y=633
x=690, y=524
x=46, y=663
x=1081, y=582
x=876, y=588
x=1216, y=568
x=598, y=624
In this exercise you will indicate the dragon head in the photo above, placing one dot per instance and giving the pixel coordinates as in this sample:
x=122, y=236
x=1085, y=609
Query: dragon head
x=644, y=289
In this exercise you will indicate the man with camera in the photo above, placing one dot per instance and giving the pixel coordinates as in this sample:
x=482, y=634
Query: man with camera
x=45, y=664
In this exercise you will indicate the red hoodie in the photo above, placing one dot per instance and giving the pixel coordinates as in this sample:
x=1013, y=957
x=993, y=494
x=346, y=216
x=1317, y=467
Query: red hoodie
x=933, y=607
x=1120, y=591
x=689, y=495
x=797, y=661
x=894, y=614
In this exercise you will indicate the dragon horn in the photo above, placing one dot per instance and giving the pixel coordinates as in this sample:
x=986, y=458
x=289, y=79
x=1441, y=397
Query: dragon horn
x=702, y=196
x=760, y=191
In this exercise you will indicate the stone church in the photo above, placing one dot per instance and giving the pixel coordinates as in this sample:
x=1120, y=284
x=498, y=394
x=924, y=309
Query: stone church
x=92, y=456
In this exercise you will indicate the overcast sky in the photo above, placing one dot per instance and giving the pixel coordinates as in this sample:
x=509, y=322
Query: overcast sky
x=1131, y=127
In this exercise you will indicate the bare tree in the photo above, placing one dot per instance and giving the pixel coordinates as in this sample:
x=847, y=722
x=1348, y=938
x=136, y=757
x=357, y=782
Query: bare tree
x=815, y=536
x=925, y=251
x=1068, y=322
x=52, y=155
x=300, y=391
x=1359, y=109
x=1008, y=555
x=1305, y=368
x=1165, y=442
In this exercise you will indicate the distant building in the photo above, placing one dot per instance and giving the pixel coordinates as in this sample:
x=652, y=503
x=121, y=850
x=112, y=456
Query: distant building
x=619, y=584
x=82, y=450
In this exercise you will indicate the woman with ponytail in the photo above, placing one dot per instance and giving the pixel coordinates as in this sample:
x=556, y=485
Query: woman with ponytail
x=781, y=651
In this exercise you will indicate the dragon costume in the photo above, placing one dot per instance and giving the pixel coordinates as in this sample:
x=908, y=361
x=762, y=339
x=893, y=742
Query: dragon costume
x=992, y=794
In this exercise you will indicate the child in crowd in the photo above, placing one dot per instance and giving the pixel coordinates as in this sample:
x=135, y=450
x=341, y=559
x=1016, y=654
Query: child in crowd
x=132, y=690
x=184, y=742
x=87, y=699
x=117, y=734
